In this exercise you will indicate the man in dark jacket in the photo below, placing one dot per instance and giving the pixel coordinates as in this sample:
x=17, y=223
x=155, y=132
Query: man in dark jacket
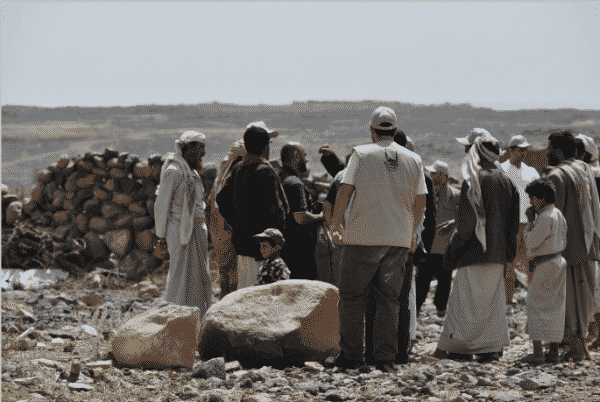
x=485, y=240
x=251, y=201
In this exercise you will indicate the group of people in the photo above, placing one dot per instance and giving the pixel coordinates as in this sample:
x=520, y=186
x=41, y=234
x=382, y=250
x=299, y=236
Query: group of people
x=382, y=217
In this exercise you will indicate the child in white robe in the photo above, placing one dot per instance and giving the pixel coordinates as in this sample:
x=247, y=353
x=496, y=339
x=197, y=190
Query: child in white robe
x=545, y=238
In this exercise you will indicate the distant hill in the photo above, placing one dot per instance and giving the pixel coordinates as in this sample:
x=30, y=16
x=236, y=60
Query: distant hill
x=32, y=137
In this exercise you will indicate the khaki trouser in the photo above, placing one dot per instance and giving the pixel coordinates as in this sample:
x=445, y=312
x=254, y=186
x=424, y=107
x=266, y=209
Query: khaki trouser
x=223, y=254
x=520, y=263
x=364, y=269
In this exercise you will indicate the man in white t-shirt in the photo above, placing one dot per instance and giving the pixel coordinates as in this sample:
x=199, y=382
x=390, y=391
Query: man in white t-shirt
x=521, y=175
x=389, y=190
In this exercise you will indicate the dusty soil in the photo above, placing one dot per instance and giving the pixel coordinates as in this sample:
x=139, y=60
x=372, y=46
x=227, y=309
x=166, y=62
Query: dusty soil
x=59, y=314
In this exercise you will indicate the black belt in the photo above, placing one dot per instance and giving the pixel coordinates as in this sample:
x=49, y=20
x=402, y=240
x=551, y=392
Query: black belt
x=540, y=259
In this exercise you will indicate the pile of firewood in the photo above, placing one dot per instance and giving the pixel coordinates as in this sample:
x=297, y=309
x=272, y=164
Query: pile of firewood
x=107, y=200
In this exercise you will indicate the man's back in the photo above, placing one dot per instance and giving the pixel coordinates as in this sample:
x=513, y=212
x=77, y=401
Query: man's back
x=251, y=201
x=387, y=178
x=501, y=204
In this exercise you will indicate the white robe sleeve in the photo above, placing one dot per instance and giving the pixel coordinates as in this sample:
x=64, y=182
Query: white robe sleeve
x=536, y=233
x=162, y=206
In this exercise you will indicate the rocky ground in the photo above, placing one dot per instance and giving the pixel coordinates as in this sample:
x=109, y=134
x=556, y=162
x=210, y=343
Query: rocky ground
x=56, y=344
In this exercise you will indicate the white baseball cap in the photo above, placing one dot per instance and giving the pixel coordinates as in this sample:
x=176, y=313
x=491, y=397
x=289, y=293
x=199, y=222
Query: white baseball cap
x=261, y=124
x=518, y=141
x=470, y=139
x=439, y=167
x=384, y=115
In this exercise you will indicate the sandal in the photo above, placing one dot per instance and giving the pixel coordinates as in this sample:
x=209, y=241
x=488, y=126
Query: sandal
x=552, y=358
x=531, y=359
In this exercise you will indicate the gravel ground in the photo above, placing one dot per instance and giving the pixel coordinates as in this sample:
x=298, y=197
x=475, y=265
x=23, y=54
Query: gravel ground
x=39, y=368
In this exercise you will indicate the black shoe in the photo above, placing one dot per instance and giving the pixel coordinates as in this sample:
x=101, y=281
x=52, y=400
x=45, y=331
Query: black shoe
x=460, y=357
x=401, y=358
x=346, y=364
x=387, y=366
x=488, y=357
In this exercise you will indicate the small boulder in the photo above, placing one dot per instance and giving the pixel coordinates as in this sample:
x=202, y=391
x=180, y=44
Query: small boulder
x=14, y=212
x=542, y=380
x=118, y=241
x=142, y=223
x=212, y=368
x=61, y=218
x=110, y=210
x=93, y=300
x=44, y=176
x=163, y=336
x=150, y=290
x=146, y=240
x=138, y=208
x=136, y=264
x=122, y=199
x=99, y=224
x=293, y=321
x=124, y=221
x=95, y=248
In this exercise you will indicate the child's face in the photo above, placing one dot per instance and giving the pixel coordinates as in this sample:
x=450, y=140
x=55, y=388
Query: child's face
x=267, y=248
x=537, y=203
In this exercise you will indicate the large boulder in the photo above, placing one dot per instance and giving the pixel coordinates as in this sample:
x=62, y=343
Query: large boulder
x=161, y=337
x=285, y=322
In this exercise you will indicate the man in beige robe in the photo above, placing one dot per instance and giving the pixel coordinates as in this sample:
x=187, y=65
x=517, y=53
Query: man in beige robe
x=577, y=199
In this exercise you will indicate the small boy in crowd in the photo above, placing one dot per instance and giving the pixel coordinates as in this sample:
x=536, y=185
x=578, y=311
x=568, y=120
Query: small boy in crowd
x=545, y=238
x=274, y=268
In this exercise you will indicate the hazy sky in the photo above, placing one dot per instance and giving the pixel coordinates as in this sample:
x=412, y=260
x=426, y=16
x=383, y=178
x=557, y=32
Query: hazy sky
x=509, y=55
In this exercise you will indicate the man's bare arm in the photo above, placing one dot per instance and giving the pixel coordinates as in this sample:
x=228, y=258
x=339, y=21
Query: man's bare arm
x=305, y=217
x=341, y=205
x=418, y=211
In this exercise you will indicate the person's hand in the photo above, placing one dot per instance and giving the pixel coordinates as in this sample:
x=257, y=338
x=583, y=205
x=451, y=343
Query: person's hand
x=530, y=214
x=337, y=236
x=413, y=244
x=326, y=151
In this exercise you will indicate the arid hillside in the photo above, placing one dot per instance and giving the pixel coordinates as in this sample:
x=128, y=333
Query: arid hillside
x=34, y=137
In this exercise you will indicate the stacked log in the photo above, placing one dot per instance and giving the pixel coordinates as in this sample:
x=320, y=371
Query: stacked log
x=108, y=201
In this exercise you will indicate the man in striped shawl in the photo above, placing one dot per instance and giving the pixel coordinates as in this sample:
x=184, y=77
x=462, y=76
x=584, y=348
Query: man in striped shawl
x=484, y=241
x=577, y=199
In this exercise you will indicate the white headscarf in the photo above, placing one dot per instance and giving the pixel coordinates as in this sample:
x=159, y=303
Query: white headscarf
x=189, y=196
x=590, y=147
x=471, y=169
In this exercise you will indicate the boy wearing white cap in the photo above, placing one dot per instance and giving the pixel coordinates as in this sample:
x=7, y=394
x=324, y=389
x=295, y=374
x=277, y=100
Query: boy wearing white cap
x=521, y=175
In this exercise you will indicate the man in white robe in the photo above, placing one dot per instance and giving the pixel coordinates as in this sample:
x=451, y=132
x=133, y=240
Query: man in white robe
x=179, y=215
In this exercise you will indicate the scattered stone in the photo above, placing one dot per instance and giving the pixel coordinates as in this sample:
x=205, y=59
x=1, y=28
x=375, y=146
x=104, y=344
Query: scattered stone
x=25, y=334
x=77, y=386
x=212, y=368
x=293, y=320
x=166, y=335
x=93, y=300
x=259, y=397
x=468, y=378
x=508, y=396
x=150, y=290
x=47, y=363
x=233, y=366
x=543, y=380
x=337, y=396
x=314, y=366
x=88, y=329
x=61, y=334
x=27, y=381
